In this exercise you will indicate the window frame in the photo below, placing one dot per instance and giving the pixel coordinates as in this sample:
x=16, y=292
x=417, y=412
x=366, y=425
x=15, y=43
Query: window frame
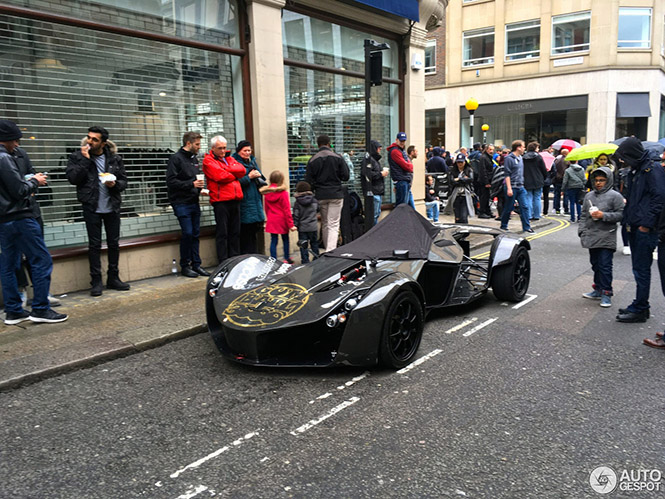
x=648, y=41
x=430, y=70
x=573, y=50
x=477, y=33
x=519, y=26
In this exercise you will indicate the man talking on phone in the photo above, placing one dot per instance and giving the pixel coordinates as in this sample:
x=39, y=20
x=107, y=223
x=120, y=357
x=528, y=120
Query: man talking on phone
x=99, y=176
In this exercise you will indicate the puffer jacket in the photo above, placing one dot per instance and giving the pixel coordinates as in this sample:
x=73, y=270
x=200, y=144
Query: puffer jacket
x=15, y=191
x=325, y=172
x=401, y=168
x=82, y=172
x=222, y=175
x=601, y=233
x=304, y=212
x=251, y=206
x=574, y=177
x=372, y=179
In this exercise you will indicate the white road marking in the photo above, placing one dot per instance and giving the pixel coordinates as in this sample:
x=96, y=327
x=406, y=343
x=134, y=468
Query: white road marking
x=321, y=397
x=524, y=302
x=193, y=492
x=462, y=325
x=353, y=381
x=332, y=412
x=422, y=359
x=480, y=326
x=212, y=455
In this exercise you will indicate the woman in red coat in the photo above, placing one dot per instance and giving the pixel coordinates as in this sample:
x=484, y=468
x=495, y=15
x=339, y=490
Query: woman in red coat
x=223, y=174
x=278, y=214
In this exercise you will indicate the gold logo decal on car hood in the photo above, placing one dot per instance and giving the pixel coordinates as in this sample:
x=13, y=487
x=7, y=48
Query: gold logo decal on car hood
x=266, y=305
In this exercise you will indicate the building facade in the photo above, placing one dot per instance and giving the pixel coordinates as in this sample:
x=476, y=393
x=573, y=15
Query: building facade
x=589, y=70
x=274, y=72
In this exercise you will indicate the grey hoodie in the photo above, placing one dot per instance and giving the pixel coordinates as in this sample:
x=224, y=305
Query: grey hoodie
x=601, y=233
x=304, y=212
x=574, y=177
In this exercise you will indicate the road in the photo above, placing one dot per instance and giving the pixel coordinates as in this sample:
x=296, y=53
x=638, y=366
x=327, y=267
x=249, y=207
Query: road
x=506, y=401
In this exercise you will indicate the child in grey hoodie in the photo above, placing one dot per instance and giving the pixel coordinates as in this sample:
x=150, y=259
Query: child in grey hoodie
x=304, y=218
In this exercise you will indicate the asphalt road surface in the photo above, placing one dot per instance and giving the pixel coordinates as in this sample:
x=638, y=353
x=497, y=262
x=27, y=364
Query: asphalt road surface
x=504, y=401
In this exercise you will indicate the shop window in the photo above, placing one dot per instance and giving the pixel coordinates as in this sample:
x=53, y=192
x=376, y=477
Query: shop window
x=522, y=40
x=478, y=47
x=430, y=57
x=59, y=80
x=634, y=28
x=570, y=33
x=435, y=127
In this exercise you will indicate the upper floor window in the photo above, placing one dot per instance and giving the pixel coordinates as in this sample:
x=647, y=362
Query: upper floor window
x=570, y=33
x=634, y=28
x=522, y=40
x=478, y=47
x=430, y=57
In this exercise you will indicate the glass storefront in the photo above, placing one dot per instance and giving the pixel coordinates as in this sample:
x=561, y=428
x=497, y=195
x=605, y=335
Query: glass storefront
x=57, y=80
x=435, y=127
x=320, y=101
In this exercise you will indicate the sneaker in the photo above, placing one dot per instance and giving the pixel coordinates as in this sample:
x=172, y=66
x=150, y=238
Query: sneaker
x=626, y=250
x=12, y=318
x=593, y=295
x=52, y=301
x=47, y=315
x=606, y=301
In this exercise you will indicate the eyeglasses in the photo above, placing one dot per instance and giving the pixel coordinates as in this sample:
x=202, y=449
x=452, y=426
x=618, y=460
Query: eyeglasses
x=600, y=179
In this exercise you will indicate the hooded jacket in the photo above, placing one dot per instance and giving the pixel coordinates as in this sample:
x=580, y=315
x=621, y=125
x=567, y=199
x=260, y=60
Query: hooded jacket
x=535, y=170
x=372, y=179
x=278, y=209
x=644, y=187
x=401, y=168
x=485, y=169
x=181, y=171
x=573, y=178
x=82, y=172
x=436, y=164
x=251, y=206
x=325, y=172
x=601, y=233
x=15, y=191
x=222, y=175
x=304, y=212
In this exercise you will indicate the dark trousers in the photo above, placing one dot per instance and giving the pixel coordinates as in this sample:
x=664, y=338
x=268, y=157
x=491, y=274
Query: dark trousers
x=642, y=245
x=557, y=197
x=248, y=237
x=24, y=237
x=484, y=196
x=661, y=264
x=313, y=239
x=601, y=264
x=93, y=224
x=273, y=245
x=461, y=210
x=189, y=218
x=24, y=268
x=546, y=198
x=227, y=221
x=573, y=198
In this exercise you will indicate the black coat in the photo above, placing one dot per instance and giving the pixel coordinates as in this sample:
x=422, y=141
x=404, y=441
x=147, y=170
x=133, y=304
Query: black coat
x=82, y=172
x=485, y=169
x=181, y=171
x=372, y=179
x=325, y=172
x=535, y=170
x=15, y=191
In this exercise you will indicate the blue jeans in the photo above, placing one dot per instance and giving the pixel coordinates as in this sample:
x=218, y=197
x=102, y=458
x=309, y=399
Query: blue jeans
x=313, y=238
x=533, y=202
x=642, y=245
x=189, y=218
x=519, y=193
x=575, y=205
x=377, y=208
x=24, y=236
x=273, y=245
x=403, y=193
x=432, y=208
x=601, y=263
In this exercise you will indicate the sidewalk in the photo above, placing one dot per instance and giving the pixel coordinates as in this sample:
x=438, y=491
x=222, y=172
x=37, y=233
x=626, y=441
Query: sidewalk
x=118, y=323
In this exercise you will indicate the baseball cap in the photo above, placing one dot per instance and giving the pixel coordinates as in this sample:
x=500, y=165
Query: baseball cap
x=460, y=158
x=401, y=136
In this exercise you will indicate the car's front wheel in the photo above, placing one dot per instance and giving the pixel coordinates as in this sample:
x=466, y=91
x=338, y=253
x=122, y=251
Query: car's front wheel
x=510, y=282
x=402, y=330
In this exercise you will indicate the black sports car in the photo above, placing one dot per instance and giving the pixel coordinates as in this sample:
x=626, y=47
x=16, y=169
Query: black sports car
x=363, y=303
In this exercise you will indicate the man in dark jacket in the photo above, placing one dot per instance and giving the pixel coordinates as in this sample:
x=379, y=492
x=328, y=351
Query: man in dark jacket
x=485, y=171
x=184, y=182
x=645, y=198
x=373, y=186
x=535, y=172
x=436, y=163
x=325, y=172
x=99, y=176
x=20, y=233
x=401, y=171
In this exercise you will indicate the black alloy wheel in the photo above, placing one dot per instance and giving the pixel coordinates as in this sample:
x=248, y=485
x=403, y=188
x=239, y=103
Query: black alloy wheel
x=511, y=282
x=402, y=330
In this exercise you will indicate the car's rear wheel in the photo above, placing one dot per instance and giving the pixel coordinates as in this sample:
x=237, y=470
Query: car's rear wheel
x=510, y=282
x=402, y=330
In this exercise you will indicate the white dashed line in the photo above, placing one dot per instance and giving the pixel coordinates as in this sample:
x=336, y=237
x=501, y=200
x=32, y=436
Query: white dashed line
x=416, y=363
x=192, y=492
x=524, y=302
x=462, y=325
x=480, y=326
x=311, y=424
x=353, y=381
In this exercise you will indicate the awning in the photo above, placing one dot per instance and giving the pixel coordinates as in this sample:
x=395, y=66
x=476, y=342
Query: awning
x=633, y=106
x=401, y=8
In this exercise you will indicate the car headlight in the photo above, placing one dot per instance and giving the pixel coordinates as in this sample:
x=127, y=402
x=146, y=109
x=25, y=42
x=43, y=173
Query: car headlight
x=340, y=315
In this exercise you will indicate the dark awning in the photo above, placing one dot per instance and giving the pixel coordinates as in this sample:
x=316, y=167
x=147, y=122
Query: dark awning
x=633, y=106
x=401, y=8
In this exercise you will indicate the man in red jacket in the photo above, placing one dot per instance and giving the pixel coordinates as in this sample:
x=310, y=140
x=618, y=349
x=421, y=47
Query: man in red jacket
x=223, y=173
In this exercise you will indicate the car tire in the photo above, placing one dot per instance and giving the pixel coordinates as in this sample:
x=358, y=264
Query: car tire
x=510, y=282
x=402, y=330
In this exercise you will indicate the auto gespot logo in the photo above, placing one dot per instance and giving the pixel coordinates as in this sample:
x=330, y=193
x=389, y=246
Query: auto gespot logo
x=267, y=305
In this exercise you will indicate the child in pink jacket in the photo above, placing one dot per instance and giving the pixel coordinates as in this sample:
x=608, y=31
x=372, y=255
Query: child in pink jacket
x=278, y=214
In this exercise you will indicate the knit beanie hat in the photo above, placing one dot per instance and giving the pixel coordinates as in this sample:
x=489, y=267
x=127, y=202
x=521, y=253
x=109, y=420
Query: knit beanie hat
x=242, y=144
x=9, y=131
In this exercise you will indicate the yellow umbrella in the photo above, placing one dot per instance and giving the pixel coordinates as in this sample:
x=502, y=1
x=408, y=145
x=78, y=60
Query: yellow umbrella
x=590, y=151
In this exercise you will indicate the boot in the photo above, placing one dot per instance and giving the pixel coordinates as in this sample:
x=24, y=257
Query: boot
x=113, y=282
x=97, y=286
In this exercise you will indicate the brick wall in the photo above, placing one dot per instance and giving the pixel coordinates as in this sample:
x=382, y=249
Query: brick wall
x=439, y=78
